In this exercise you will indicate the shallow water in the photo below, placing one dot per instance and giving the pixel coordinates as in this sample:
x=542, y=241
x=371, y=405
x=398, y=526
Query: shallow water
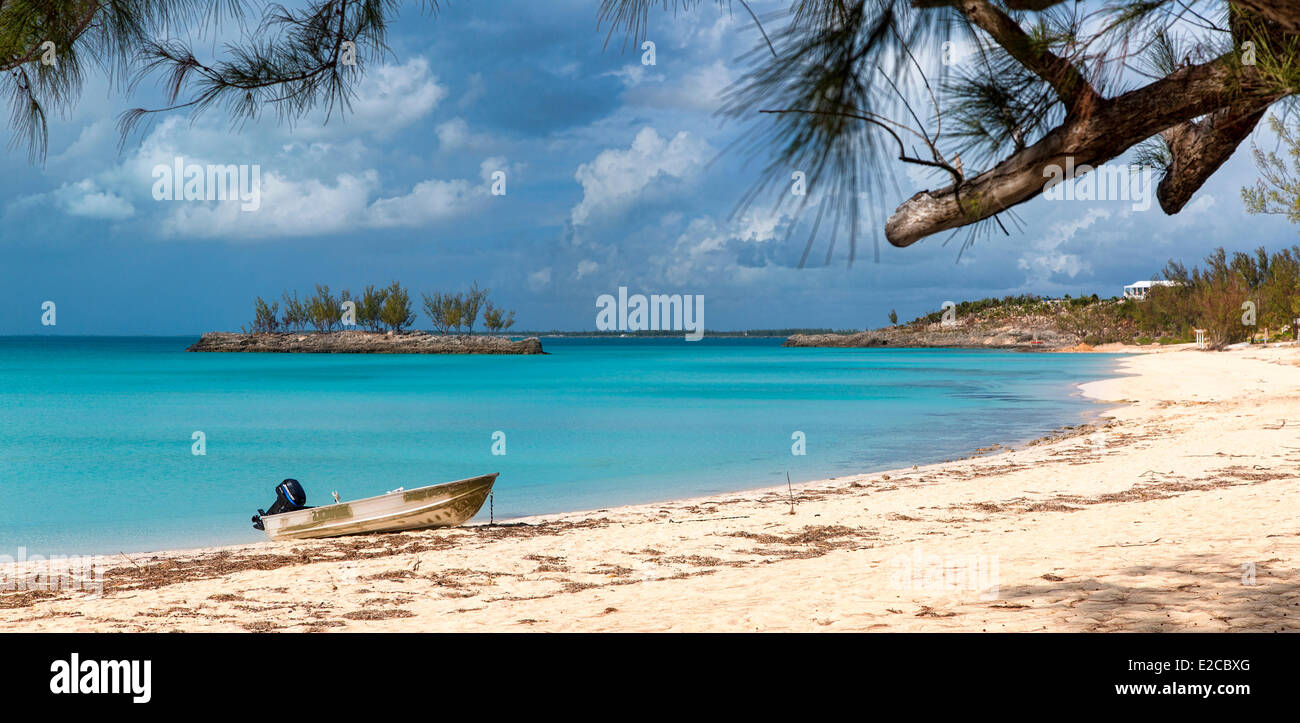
x=96, y=434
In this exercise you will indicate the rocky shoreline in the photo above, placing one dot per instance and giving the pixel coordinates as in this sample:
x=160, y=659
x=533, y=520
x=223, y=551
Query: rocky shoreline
x=364, y=342
x=940, y=336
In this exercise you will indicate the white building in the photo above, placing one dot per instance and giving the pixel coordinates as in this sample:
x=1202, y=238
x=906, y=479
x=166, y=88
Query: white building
x=1139, y=289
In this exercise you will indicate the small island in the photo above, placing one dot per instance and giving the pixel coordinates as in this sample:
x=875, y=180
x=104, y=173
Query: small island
x=365, y=342
x=376, y=322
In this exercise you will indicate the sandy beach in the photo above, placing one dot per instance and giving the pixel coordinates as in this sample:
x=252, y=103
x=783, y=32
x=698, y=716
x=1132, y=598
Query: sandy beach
x=1178, y=511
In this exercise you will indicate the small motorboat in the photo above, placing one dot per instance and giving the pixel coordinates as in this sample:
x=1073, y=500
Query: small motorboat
x=442, y=505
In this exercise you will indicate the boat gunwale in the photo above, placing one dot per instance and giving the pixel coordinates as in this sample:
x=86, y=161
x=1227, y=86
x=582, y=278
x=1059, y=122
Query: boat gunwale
x=396, y=514
x=285, y=516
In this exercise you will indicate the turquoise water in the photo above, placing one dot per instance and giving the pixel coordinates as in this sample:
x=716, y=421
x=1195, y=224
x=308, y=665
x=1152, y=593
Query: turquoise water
x=96, y=433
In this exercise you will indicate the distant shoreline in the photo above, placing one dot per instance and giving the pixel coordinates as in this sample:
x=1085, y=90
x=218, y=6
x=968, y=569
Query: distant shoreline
x=493, y=343
x=362, y=342
x=556, y=334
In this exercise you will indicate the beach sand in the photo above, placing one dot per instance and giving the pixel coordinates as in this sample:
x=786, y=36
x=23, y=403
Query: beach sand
x=1179, y=511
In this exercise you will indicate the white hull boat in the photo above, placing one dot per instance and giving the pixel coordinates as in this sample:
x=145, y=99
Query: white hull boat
x=441, y=505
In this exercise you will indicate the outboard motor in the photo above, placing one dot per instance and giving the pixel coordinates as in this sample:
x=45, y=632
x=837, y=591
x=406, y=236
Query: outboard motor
x=289, y=496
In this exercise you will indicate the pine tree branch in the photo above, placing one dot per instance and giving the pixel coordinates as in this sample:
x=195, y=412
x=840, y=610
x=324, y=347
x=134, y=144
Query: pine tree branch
x=1111, y=128
x=1065, y=78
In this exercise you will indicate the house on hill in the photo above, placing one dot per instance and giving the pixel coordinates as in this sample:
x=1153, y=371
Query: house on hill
x=1139, y=289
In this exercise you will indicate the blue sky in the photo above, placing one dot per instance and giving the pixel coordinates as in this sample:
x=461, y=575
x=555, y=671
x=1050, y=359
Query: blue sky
x=618, y=174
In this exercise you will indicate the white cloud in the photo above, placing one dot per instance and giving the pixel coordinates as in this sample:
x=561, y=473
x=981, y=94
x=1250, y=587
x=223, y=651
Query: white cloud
x=288, y=208
x=697, y=252
x=455, y=134
x=634, y=75
x=97, y=135
x=586, y=266
x=85, y=198
x=700, y=89
x=291, y=207
x=760, y=227
x=302, y=190
x=492, y=165
x=616, y=179
x=429, y=202
x=707, y=248
x=1193, y=213
x=1046, y=257
x=393, y=96
x=539, y=279
x=695, y=32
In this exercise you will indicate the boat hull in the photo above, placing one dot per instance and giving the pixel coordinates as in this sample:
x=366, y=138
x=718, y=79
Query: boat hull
x=442, y=505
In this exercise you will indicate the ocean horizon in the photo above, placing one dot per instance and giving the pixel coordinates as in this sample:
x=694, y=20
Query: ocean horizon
x=98, y=434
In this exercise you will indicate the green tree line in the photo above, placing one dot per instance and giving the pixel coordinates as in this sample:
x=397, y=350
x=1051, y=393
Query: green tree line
x=378, y=309
x=1233, y=297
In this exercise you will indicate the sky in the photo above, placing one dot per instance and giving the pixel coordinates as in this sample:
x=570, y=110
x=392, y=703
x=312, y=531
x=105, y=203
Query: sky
x=616, y=174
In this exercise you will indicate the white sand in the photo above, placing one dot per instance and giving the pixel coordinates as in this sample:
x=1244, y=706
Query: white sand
x=1157, y=522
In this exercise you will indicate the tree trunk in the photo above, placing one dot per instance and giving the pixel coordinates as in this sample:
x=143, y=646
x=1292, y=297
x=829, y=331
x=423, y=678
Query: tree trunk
x=1090, y=136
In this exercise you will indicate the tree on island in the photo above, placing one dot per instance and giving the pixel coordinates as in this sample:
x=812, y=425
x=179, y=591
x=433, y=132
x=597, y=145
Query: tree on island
x=377, y=309
x=323, y=310
x=397, y=313
x=472, y=303
x=460, y=311
x=446, y=311
x=370, y=308
x=893, y=317
x=436, y=307
x=265, y=317
x=454, y=311
x=831, y=86
x=497, y=319
x=295, y=313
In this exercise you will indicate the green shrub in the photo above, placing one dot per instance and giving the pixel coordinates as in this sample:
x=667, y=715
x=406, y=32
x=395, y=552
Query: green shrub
x=396, y=313
x=265, y=317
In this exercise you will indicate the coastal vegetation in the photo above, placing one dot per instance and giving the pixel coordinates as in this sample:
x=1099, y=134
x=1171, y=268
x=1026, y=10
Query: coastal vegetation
x=1277, y=191
x=1233, y=298
x=378, y=309
x=460, y=311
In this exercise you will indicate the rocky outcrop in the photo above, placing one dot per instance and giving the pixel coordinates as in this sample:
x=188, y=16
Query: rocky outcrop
x=937, y=335
x=364, y=342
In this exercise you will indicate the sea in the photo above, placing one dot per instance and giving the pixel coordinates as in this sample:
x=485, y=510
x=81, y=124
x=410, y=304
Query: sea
x=126, y=444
